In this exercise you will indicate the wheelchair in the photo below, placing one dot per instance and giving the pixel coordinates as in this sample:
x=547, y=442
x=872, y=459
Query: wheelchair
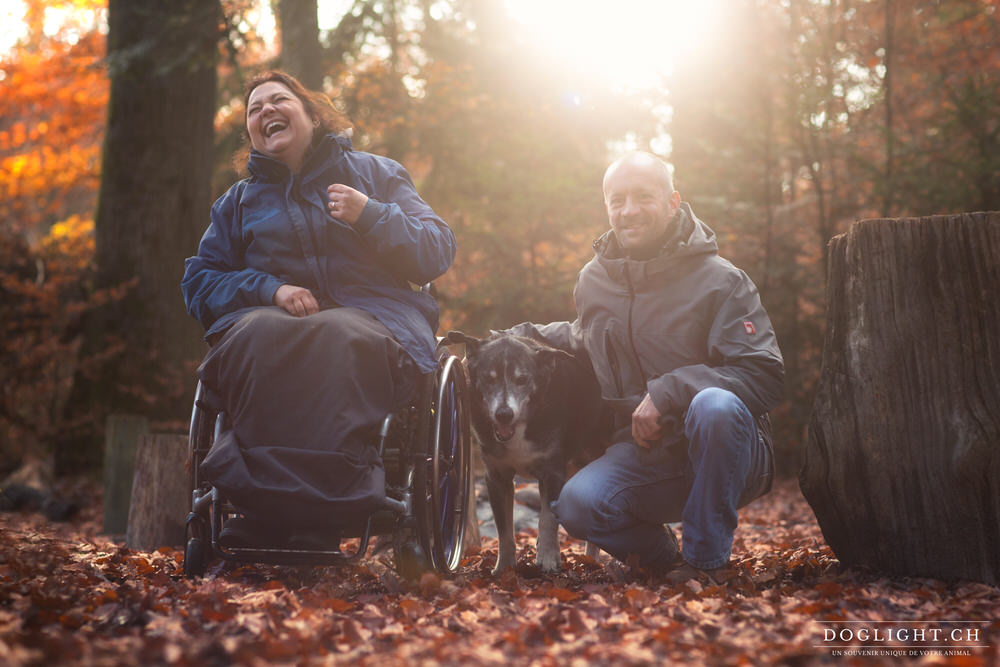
x=425, y=449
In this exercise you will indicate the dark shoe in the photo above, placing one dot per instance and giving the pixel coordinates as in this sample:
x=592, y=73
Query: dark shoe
x=686, y=572
x=669, y=559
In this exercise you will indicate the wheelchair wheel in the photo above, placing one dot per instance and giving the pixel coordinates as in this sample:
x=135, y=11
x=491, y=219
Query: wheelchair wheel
x=443, y=480
x=201, y=434
x=196, y=550
x=194, y=558
x=410, y=560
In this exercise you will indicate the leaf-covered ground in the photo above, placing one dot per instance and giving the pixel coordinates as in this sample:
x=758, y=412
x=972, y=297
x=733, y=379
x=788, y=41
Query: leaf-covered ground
x=71, y=596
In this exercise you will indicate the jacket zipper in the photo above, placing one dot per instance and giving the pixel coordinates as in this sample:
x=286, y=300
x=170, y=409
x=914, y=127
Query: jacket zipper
x=616, y=371
x=631, y=337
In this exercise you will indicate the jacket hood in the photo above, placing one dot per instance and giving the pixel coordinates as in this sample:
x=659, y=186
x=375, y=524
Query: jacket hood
x=691, y=237
x=268, y=168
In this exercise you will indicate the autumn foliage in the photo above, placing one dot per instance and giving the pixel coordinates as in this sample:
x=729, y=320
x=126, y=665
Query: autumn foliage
x=801, y=117
x=53, y=98
x=73, y=598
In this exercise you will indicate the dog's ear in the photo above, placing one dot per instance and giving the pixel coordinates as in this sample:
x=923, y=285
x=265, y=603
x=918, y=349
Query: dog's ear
x=471, y=343
x=548, y=358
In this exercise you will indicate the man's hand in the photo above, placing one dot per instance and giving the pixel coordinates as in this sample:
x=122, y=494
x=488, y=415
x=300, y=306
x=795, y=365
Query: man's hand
x=346, y=203
x=297, y=301
x=646, y=423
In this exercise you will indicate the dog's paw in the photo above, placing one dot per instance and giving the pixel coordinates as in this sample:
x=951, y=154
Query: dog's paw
x=501, y=567
x=506, y=556
x=548, y=563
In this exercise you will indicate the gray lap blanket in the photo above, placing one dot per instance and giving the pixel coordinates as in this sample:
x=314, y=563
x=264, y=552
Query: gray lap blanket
x=305, y=396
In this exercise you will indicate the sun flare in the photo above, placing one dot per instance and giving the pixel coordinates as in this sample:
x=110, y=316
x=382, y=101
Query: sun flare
x=631, y=44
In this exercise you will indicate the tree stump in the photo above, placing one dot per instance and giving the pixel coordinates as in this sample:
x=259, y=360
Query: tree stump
x=161, y=495
x=121, y=440
x=902, y=465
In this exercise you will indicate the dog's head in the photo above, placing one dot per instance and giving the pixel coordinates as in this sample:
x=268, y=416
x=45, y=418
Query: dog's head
x=506, y=373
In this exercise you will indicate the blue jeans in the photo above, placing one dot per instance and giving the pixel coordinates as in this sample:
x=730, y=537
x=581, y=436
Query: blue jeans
x=621, y=501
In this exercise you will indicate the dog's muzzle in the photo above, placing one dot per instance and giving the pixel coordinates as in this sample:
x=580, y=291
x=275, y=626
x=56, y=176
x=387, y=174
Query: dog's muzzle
x=503, y=424
x=503, y=432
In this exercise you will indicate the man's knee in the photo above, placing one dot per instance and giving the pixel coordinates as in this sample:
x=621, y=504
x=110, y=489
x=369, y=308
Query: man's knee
x=713, y=406
x=585, y=511
x=577, y=508
x=574, y=508
x=717, y=418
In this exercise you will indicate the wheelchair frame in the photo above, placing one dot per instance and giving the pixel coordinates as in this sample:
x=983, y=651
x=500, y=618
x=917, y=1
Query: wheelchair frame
x=426, y=451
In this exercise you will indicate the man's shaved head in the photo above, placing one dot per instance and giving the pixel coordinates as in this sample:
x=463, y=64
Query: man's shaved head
x=644, y=160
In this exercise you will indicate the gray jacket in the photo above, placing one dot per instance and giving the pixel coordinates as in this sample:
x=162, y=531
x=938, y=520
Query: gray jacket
x=671, y=326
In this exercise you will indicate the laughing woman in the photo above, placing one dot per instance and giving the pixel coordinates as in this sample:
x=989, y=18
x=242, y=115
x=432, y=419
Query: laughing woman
x=302, y=282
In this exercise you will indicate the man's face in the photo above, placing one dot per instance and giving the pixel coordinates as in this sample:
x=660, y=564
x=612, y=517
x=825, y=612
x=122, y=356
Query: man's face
x=639, y=206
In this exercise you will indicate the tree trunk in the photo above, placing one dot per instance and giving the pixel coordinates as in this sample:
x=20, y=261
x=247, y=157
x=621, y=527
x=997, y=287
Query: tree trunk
x=889, y=193
x=153, y=205
x=160, y=493
x=301, y=53
x=902, y=466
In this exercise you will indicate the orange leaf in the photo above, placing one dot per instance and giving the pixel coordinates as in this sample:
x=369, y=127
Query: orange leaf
x=563, y=594
x=338, y=605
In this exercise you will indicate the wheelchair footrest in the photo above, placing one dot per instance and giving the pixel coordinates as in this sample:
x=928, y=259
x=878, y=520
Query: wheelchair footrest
x=287, y=556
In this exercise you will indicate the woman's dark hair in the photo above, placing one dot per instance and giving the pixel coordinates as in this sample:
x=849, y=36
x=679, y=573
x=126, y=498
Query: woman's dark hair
x=317, y=105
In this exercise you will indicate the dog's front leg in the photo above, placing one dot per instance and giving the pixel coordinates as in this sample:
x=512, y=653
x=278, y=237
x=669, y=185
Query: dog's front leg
x=500, y=486
x=547, y=546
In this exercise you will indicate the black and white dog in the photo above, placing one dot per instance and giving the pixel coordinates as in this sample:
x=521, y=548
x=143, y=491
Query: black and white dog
x=537, y=412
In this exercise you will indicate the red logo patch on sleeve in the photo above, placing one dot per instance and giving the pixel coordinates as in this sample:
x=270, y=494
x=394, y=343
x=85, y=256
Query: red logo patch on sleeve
x=750, y=328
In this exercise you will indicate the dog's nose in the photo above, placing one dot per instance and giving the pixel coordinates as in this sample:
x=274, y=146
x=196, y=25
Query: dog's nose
x=504, y=415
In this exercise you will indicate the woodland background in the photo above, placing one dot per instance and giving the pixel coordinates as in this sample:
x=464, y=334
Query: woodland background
x=118, y=122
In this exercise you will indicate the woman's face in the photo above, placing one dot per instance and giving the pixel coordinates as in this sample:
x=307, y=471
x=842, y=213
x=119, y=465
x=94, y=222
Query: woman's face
x=278, y=124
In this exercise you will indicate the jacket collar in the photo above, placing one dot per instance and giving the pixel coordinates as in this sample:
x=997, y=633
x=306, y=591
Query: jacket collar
x=328, y=150
x=691, y=237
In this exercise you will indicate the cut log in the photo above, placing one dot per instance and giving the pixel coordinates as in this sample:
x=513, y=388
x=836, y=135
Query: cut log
x=902, y=465
x=121, y=440
x=161, y=497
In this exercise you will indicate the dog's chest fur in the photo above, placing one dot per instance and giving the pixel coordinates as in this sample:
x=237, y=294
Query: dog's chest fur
x=520, y=453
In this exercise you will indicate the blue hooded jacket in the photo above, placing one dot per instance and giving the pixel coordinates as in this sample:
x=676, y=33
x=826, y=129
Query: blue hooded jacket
x=274, y=228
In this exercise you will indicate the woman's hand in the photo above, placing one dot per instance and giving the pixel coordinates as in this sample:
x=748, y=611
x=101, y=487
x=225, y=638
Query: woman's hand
x=346, y=203
x=297, y=301
x=646, y=423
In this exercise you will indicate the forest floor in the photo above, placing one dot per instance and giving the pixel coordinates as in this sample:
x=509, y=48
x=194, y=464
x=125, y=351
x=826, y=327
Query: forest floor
x=71, y=596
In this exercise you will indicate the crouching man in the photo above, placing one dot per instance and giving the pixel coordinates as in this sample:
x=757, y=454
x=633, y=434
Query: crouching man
x=686, y=354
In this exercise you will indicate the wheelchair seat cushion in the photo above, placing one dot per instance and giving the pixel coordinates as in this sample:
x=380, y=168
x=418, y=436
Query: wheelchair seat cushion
x=305, y=397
